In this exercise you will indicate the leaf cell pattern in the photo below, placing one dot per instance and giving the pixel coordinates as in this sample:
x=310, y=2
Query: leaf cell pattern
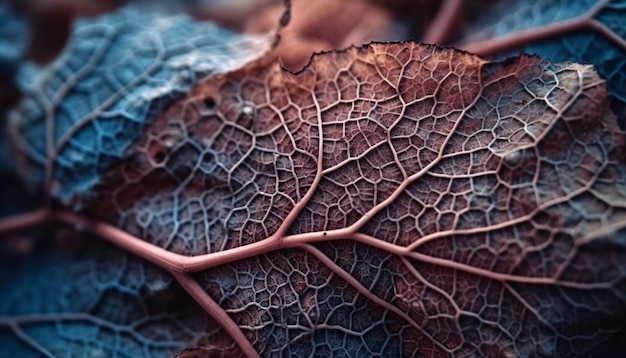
x=391, y=199
x=84, y=110
x=78, y=116
x=115, y=306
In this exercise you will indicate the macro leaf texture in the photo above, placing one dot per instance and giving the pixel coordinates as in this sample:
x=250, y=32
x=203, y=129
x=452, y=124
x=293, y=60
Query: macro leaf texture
x=116, y=74
x=384, y=170
x=14, y=29
x=389, y=199
x=588, y=31
x=115, y=305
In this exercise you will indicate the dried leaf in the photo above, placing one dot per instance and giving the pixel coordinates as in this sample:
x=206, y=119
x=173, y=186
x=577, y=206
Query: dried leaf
x=113, y=306
x=77, y=117
x=391, y=199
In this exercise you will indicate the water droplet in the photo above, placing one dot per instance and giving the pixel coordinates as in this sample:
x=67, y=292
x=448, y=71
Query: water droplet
x=169, y=142
x=513, y=157
x=247, y=110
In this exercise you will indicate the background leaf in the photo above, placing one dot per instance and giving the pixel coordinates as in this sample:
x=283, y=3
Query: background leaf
x=117, y=71
x=599, y=40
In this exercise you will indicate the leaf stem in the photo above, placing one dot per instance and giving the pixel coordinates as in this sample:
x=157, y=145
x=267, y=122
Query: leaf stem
x=205, y=262
x=169, y=261
x=165, y=259
x=441, y=27
x=17, y=330
x=25, y=221
x=194, y=289
x=520, y=39
x=513, y=41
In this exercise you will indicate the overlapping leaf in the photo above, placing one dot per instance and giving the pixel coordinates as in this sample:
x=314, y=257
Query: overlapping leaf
x=81, y=113
x=13, y=35
x=392, y=199
x=12, y=39
x=113, y=306
x=586, y=31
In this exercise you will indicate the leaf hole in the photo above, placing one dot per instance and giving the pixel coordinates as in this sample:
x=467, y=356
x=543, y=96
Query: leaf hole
x=209, y=103
x=159, y=156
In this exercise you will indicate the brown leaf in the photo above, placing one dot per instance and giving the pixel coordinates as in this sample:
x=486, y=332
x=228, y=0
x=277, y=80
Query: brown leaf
x=391, y=199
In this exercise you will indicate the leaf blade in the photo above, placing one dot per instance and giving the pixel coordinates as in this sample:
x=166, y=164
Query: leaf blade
x=466, y=182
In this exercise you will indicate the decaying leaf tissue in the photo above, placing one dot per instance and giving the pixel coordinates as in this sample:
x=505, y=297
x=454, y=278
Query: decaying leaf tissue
x=268, y=178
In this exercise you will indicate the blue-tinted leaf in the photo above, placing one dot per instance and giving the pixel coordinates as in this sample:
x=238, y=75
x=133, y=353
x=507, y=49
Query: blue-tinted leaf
x=115, y=75
x=96, y=301
x=13, y=37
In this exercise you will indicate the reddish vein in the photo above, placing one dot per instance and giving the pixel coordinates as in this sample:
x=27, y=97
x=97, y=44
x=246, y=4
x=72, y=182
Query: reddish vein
x=442, y=25
x=519, y=39
x=217, y=313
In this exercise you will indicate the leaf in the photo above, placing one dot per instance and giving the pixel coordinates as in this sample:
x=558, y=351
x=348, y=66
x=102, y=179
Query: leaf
x=589, y=31
x=13, y=35
x=49, y=23
x=116, y=74
x=390, y=199
x=114, y=306
x=327, y=24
